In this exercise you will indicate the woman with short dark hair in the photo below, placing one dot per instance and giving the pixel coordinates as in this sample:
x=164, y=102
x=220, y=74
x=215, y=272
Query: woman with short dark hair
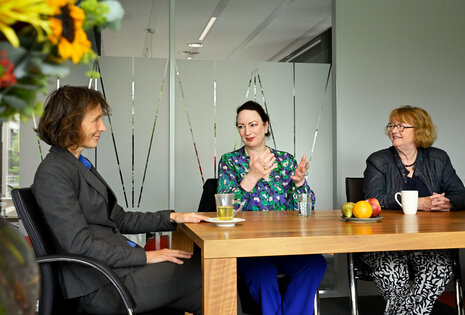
x=85, y=219
x=411, y=163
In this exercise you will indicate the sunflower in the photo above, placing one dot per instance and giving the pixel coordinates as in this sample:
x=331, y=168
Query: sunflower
x=67, y=32
x=27, y=11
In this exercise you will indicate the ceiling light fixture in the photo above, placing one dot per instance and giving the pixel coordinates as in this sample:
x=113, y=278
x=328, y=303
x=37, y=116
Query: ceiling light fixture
x=207, y=28
x=189, y=58
x=195, y=45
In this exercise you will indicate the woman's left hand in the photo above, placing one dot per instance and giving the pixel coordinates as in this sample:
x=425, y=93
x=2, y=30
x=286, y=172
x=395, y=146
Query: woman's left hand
x=300, y=172
x=435, y=202
x=187, y=217
x=439, y=202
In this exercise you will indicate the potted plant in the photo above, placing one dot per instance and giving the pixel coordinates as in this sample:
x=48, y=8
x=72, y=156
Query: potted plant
x=39, y=39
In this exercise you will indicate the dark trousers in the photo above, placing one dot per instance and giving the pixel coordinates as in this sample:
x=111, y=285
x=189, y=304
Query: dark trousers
x=305, y=273
x=153, y=286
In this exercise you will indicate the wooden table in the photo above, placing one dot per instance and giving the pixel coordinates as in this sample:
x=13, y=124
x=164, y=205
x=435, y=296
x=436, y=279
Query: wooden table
x=274, y=233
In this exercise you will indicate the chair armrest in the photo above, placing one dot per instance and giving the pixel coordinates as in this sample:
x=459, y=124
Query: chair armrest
x=115, y=280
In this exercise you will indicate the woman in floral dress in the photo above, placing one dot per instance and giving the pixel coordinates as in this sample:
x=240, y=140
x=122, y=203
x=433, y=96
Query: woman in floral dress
x=267, y=179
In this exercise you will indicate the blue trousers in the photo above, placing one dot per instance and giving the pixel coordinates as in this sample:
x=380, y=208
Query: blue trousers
x=305, y=273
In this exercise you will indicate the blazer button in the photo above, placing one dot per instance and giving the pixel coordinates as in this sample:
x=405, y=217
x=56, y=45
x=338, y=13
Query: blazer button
x=114, y=230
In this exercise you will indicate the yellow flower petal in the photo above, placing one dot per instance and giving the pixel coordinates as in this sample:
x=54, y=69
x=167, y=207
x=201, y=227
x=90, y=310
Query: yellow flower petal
x=10, y=35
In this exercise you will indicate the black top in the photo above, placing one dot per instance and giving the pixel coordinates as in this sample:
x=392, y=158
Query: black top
x=415, y=183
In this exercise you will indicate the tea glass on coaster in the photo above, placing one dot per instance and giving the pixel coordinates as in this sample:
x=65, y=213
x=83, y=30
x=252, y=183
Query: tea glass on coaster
x=225, y=206
x=305, y=204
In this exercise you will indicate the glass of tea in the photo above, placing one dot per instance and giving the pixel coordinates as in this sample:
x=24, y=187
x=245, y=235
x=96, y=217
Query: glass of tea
x=225, y=206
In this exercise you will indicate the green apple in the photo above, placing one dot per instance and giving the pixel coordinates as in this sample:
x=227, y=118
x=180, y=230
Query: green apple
x=346, y=209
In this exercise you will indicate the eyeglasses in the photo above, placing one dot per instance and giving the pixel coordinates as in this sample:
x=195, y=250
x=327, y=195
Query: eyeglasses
x=400, y=127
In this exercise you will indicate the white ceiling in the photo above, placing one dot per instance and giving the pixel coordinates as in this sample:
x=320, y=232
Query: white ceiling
x=247, y=30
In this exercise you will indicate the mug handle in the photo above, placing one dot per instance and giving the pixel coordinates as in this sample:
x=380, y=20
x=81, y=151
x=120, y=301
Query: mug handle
x=395, y=197
x=238, y=209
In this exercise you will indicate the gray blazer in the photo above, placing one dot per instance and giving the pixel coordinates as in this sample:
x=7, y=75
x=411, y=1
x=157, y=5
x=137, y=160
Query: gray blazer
x=85, y=219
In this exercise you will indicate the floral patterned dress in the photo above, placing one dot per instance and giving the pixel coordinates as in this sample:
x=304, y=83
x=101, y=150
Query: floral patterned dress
x=276, y=193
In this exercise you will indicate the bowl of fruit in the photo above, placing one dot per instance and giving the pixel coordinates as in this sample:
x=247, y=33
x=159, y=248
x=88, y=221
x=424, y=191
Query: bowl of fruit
x=362, y=211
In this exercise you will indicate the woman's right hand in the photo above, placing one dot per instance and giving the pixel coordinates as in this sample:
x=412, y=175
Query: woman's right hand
x=156, y=256
x=260, y=166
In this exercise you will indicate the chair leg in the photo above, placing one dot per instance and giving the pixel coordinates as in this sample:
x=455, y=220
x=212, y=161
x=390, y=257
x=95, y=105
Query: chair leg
x=316, y=303
x=352, y=285
x=459, y=295
x=458, y=282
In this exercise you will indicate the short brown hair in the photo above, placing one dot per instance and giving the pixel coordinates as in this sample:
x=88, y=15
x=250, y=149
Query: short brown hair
x=425, y=130
x=64, y=110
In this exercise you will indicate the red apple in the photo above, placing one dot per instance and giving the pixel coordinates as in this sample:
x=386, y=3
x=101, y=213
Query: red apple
x=375, y=206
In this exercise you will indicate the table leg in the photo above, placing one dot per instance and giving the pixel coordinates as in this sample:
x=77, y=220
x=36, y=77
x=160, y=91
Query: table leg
x=219, y=279
x=180, y=241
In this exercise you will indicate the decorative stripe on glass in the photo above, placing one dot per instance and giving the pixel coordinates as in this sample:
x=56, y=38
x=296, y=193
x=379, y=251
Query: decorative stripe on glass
x=319, y=115
x=113, y=139
x=293, y=102
x=160, y=97
x=214, y=123
x=132, y=132
x=37, y=136
x=189, y=122
x=266, y=107
x=254, y=76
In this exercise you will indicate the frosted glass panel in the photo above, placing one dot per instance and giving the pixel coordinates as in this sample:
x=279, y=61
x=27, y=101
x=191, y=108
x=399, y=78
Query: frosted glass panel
x=310, y=91
x=132, y=151
x=197, y=79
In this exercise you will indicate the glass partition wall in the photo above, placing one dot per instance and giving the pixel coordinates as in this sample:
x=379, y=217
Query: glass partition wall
x=133, y=155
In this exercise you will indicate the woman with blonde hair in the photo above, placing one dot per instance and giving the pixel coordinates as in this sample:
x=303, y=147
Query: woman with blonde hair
x=411, y=163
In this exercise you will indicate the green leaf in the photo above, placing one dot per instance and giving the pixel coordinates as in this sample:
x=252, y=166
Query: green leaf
x=115, y=15
x=59, y=70
x=14, y=101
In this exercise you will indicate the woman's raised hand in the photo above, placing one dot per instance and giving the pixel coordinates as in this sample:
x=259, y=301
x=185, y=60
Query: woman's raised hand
x=300, y=172
x=173, y=255
x=261, y=165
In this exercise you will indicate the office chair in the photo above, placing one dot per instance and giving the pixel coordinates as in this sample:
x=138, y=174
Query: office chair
x=358, y=270
x=247, y=303
x=51, y=300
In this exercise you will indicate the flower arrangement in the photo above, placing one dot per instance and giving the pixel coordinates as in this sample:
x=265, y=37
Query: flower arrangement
x=40, y=39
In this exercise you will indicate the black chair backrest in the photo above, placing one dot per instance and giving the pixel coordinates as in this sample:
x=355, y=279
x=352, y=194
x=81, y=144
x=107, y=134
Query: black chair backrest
x=207, y=200
x=34, y=223
x=354, y=189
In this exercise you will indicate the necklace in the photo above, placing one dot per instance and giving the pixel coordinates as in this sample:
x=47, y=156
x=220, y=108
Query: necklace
x=410, y=164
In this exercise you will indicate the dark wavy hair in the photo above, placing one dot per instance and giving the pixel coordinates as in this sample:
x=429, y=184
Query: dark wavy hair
x=251, y=105
x=64, y=110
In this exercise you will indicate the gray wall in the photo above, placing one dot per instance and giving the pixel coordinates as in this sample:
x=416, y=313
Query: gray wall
x=387, y=54
x=392, y=53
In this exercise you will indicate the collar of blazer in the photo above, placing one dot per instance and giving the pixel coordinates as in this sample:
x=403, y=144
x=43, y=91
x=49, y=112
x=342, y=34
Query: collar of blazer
x=92, y=177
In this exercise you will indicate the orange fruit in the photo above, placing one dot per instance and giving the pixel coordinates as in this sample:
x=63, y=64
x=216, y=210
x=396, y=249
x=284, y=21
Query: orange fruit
x=362, y=209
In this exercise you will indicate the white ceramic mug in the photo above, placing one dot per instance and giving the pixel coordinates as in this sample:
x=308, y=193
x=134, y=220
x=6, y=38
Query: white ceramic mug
x=409, y=202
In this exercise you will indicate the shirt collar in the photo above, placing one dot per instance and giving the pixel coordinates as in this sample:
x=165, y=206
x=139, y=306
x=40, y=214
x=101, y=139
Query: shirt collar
x=84, y=161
